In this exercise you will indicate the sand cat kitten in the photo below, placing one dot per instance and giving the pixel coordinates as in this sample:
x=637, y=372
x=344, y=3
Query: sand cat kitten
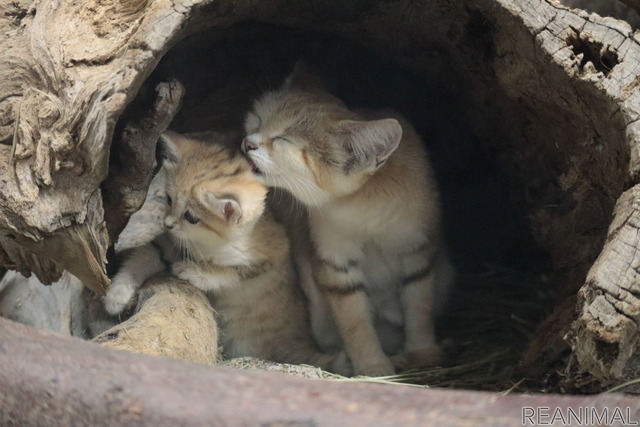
x=373, y=210
x=220, y=238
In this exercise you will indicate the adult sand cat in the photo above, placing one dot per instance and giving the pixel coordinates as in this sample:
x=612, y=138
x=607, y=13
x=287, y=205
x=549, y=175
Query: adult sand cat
x=373, y=211
x=220, y=238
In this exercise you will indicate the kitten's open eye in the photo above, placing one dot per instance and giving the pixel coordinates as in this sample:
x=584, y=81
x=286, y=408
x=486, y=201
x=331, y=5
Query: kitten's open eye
x=169, y=201
x=190, y=218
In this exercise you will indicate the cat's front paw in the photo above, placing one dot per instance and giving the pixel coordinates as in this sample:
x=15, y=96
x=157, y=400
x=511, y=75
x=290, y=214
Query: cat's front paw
x=180, y=268
x=342, y=365
x=119, y=296
x=381, y=368
x=190, y=273
x=426, y=357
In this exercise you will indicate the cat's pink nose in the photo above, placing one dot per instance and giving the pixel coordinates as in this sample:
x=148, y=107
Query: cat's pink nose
x=169, y=222
x=248, y=145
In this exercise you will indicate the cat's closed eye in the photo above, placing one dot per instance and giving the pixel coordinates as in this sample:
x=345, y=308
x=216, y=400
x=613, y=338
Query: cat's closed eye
x=282, y=139
x=169, y=201
x=253, y=122
x=188, y=216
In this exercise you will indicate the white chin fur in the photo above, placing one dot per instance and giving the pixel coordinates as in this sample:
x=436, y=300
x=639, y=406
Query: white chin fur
x=298, y=183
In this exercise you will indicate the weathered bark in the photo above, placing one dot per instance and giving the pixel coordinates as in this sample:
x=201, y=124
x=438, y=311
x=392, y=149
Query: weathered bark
x=552, y=94
x=590, y=179
x=47, y=379
x=605, y=337
x=69, y=70
x=134, y=158
x=626, y=10
x=172, y=319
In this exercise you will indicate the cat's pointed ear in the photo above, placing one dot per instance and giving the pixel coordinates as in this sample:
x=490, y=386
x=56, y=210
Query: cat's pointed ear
x=169, y=148
x=305, y=78
x=369, y=143
x=226, y=207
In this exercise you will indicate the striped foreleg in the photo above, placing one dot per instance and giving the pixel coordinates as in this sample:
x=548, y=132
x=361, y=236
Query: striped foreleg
x=343, y=285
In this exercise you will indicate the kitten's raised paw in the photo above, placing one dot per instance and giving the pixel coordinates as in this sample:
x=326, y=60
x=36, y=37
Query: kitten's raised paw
x=118, y=298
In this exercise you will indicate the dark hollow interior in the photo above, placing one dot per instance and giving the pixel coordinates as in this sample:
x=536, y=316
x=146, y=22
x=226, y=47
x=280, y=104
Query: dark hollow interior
x=224, y=71
x=503, y=291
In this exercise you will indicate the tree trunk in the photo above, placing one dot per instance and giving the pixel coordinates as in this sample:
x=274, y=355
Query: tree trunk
x=550, y=94
x=47, y=379
x=69, y=71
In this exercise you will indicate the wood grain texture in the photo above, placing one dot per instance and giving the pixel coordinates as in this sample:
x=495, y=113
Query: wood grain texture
x=48, y=379
x=70, y=69
x=600, y=58
x=552, y=93
x=605, y=337
x=133, y=158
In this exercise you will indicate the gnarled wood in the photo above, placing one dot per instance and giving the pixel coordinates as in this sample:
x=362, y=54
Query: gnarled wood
x=49, y=379
x=134, y=157
x=606, y=337
x=626, y=10
x=552, y=94
x=69, y=70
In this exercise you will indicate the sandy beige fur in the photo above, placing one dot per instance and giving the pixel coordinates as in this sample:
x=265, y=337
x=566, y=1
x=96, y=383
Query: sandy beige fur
x=376, y=261
x=220, y=238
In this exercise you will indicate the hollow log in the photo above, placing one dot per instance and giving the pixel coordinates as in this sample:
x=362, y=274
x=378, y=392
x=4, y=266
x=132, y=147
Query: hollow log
x=69, y=70
x=48, y=379
x=550, y=94
x=605, y=337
